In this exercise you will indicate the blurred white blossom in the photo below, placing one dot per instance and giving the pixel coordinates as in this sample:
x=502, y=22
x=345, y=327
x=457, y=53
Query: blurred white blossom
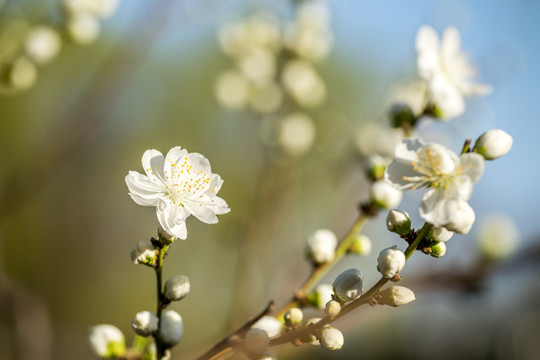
x=42, y=44
x=107, y=341
x=498, y=237
x=296, y=134
x=446, y=70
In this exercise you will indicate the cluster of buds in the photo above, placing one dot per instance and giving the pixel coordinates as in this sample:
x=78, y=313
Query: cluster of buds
x=33, y=45
x=275, y=65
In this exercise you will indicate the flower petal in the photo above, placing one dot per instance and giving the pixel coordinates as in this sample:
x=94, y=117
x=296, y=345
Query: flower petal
x=201, y=212
x=400, y=174
x=427, y=39
x=446, y=97
x=172, y=218
x=142, y=190
x=174, y=156
x=450, y=43
x=407, y=149
x=434, y=208
x=472, y=166
x=152, y=162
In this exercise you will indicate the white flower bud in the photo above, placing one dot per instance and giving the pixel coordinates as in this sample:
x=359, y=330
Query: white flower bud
x=143, y=253
x=270, y=324
x=438, y=249
x=176, y=288
x=165, y=237
x=107, y=341
x=321, y=296
x=361, y=245
x=83, y=28
x=375, y=167
x=321, y=246
x=384, y=195
x=331, y=338
x=462, y=217
x=257, y=341
x=333, y=308
x=293, y=316
x=493, y=144
x=397, y=296
x=398, y=221
x=144, y=323
x=348, y=285
x=390, y=262
x=439, y=233
x=171, y=327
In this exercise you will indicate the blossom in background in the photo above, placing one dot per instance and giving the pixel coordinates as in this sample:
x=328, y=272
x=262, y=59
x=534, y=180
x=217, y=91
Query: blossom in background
x=498, y=237
x=450, y=177
x=321, y=246
x=446, y=70
x=107, y=341
x=178, y=185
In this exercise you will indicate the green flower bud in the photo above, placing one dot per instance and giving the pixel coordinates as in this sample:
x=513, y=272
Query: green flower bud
x=375, y=167
x=438, y=249
x=398, y=221
x=402, y=116
x=361, y=245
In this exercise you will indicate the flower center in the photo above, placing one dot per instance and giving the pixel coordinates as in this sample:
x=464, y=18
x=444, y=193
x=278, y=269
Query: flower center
x=436, y=168
x=184, y=182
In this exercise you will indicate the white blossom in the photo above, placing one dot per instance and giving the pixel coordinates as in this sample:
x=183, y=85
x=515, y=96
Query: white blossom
x=232, y=89
x=303, y=83
x=321, y=246
x=348, y=285
x=177, y=287
x=171, y=327
x=107, y=341
x=446, y=70
x=449, y=176
x=144, y=323
x=178, y=185
x=493, y=144
x=83, y=28
x=390, y=262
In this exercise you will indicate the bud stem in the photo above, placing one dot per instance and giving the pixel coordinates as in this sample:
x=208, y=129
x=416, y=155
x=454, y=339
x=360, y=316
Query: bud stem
x=160, y=346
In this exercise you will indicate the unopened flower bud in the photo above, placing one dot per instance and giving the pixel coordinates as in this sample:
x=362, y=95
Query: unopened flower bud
x=390, y=262
x=321, y=295
x=384, y=195
x=333, y=308
x=375, y=167
x=438, y=249
x=144, y=323
x=493, y=144
x=107, y=341
x=462, y=218
x=177, y=287
x=143, y=253
x=293, y=317
x=270, y=324
x=398, y=221
x=257, y=341
x=402, y=116
x=361, y=245
x=171, y=327
x=397, y=296
x=331, y=338
x=348, y=285
x=164, y=237
x=439, y=233
x=321, y=246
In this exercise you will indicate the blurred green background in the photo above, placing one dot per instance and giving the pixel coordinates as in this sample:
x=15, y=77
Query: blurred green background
x=67, y=223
